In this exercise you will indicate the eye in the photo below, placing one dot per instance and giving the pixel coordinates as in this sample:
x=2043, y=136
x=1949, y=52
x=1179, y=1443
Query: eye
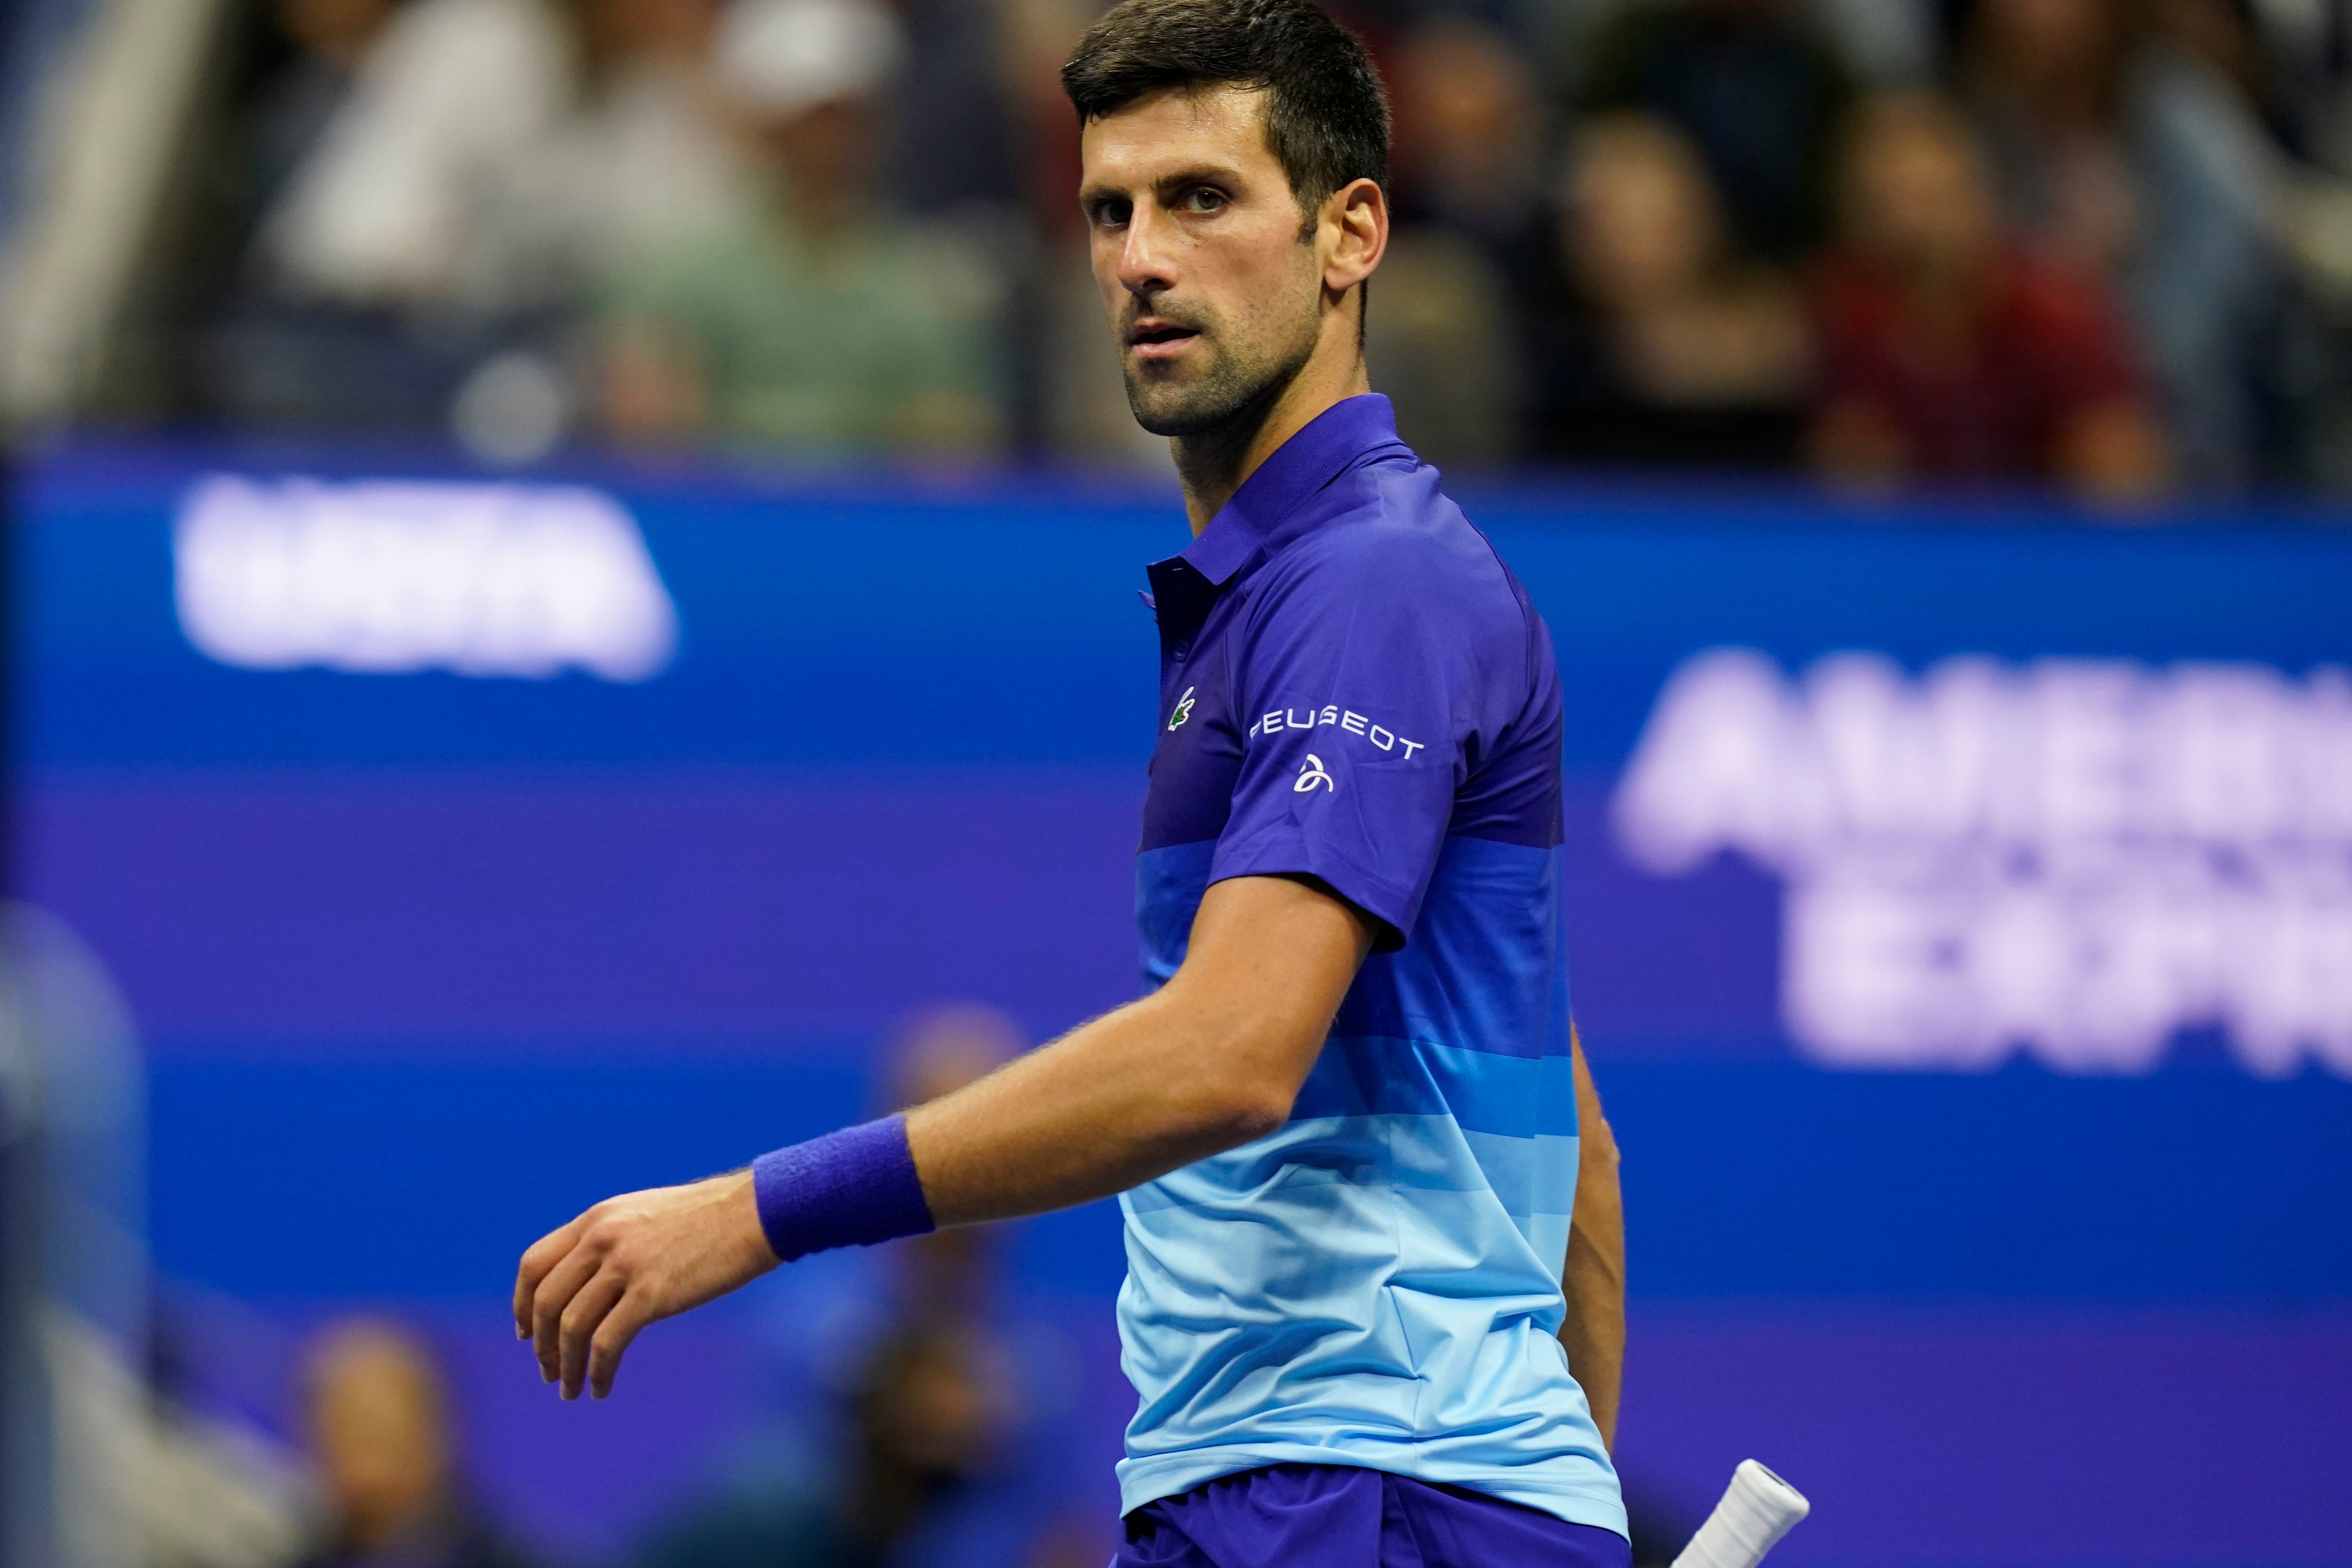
x=1202, y=199
x=1111, y=212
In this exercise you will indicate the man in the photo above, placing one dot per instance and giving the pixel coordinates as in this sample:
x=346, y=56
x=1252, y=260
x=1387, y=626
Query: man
x=1949, y=349
x=1344, y=1126
x=381, y=1431
x=812, y=320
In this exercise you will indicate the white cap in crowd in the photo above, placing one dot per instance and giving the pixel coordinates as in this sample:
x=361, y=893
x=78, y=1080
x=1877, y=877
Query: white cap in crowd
x=781, y=57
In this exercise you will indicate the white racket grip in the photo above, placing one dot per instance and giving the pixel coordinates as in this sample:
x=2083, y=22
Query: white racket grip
x=1758, y=1509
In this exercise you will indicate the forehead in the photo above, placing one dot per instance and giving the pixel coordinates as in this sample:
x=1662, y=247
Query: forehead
x=1179, y=128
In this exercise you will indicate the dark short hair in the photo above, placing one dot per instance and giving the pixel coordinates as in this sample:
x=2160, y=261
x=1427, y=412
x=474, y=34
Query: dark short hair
x=1327, y=121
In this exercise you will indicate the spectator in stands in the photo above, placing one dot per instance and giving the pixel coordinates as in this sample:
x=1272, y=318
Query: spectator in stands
x=381, y=272
x=1667, y=347
x=1757, y=84
x=394, y=204
x=1469, y=142
x=379, y=1426
x=820, y=324
x=1949, y=352
x=330, y=41
x=2121, y=150
x=1470, y=247
x=646, y=154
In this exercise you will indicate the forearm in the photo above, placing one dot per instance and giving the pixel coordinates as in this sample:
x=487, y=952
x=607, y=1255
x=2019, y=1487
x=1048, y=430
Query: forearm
x=1209, y=1062
x=1114, y=1103
x=1593, y=1280
x=1215, y=1059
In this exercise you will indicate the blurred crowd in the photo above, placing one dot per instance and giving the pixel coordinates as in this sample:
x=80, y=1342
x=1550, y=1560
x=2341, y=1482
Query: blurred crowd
x=925, y=1422
x=2102, y=242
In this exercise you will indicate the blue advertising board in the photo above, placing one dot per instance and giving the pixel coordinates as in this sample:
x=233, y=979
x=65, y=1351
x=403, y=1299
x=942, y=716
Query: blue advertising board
x=1960, y=904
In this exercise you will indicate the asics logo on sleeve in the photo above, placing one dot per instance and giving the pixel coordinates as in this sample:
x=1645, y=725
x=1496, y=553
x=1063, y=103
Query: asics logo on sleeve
x=1312, y=778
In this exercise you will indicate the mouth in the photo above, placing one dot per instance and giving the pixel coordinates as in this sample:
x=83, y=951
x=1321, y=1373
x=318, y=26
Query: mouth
x=1154, y=339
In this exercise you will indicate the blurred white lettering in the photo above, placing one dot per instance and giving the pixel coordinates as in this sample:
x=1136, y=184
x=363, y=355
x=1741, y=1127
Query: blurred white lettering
x=386, y=577
x=2078, y=857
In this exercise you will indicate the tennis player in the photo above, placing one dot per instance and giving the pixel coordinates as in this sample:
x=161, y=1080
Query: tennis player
x=1374, y=1303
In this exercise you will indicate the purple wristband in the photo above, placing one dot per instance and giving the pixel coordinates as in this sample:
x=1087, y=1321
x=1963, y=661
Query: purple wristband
x=850, y=1188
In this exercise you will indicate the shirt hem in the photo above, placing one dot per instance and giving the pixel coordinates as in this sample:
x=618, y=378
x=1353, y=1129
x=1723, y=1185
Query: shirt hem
x=1147, y=1480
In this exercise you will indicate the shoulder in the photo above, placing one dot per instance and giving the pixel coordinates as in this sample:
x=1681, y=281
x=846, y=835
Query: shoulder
x=1391, y=593
x=1386, y=545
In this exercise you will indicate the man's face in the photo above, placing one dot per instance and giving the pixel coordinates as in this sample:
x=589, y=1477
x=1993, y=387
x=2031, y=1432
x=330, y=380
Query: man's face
x=1215, y=299
x=1917, y=192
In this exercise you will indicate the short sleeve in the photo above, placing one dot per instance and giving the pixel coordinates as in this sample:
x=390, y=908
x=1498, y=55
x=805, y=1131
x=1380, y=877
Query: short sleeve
x=1354, y=692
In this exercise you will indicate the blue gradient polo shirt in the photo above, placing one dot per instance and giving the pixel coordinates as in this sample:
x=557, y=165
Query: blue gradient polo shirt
x=1355, y=688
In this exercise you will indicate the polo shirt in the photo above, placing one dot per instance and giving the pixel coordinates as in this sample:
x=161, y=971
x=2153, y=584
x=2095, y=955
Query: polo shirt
x=1354, y=688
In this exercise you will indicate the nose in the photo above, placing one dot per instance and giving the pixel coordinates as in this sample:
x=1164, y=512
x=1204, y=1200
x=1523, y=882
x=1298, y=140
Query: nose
x=1147, y=253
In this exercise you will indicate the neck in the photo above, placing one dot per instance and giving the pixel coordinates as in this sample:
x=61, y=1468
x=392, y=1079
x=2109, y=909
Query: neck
x=1215, y=463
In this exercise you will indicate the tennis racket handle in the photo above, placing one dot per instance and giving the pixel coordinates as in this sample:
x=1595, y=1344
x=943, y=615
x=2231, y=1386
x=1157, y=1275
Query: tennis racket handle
x=1758, y=1510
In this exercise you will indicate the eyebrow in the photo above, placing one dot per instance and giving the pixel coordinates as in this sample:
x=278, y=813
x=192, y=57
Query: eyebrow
x=1182, y=179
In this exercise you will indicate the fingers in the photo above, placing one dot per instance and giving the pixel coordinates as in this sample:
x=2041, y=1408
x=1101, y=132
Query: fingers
x=549, y=1301
x=544, y=1256
x=582, y=1293
x=612, y=1338
x=582, y=1318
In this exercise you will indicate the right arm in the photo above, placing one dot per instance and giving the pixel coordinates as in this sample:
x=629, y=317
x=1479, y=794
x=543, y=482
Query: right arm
x=1210, y=1061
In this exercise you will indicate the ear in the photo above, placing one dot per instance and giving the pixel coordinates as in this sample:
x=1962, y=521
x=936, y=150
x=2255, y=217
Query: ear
x=1354, y=234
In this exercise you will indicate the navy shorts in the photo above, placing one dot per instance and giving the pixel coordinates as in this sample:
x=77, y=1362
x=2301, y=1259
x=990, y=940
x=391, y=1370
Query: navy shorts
x=1337, y=1516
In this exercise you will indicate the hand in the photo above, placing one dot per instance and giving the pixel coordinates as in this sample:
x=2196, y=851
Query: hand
x=585, y=1291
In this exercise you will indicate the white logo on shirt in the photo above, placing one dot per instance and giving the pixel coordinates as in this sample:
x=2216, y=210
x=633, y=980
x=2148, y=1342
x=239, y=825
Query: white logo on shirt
x=1311, y=775
x=1184, y=709
x=1347, y=719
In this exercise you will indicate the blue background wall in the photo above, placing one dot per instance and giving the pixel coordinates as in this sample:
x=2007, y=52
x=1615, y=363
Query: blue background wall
x=426, y=963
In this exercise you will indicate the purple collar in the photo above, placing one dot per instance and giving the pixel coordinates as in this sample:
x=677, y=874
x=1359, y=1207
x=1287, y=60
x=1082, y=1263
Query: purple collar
x=1331, y=443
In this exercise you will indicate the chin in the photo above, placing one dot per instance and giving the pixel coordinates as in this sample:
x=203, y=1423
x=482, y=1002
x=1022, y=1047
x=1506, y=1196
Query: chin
x=1159, y=421
x=1161, y=411
x=1199, y=404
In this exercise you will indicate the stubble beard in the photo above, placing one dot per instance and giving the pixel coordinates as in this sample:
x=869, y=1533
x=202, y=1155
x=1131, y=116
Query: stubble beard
x=1233, y=389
